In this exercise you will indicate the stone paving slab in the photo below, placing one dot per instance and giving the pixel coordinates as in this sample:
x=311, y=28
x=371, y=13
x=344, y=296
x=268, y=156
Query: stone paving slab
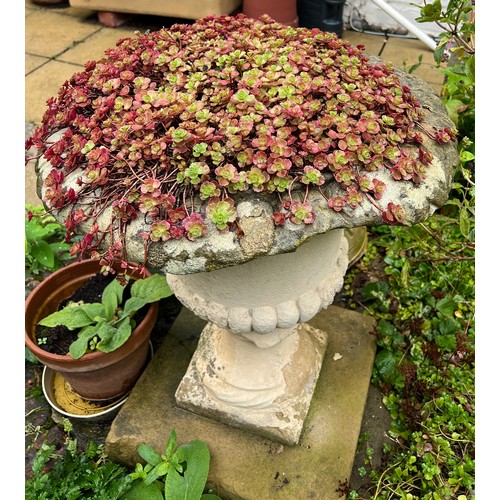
x=244, y=466
x=404, y=52
x=48, y=33
x=96, y=44
x=44, y=83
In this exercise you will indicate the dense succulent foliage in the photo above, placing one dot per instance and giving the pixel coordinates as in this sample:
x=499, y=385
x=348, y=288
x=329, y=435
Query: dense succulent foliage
x=193, y=115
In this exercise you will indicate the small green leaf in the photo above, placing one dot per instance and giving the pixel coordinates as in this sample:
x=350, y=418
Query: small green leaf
x=95, y=312
x=387, y=363
x=72, y=317
x=59, y=247
x=466, y=156
x=43, y=253
x=151, y=289
x=142, y=491
x=448, y=326
x=430, y=12
x=112, y=297
x=36, y=232
x=79, y=347
x=386, y=328
x=454, y=107
x=447, y=342
x=106, y=331
x=171, y=443
x=159, y=470
x=119, y=338
x=148, y=454
x=438, y=54
x=189, y=486
x=446, y=306
x=374, y=290
x=29, y=356
x=464, y=222
x=133, y=305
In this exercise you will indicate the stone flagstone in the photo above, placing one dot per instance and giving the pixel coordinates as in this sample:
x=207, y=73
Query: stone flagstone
x=243, y=465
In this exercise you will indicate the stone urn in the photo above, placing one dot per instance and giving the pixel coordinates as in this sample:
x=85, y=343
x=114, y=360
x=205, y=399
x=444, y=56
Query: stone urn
x=258, y=360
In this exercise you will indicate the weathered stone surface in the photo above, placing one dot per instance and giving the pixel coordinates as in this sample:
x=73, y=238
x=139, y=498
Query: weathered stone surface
x=268, y=393
x=273, y=291
x=244, y=466
x=221, y=249
x=255, y=367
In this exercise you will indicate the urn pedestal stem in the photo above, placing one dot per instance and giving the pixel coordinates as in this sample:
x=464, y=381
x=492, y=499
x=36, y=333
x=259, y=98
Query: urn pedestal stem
x=257, y=360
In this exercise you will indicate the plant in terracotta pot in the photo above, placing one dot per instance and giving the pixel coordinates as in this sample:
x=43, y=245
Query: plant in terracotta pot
x=108, y=336
x=173, y=127
x=283, y=11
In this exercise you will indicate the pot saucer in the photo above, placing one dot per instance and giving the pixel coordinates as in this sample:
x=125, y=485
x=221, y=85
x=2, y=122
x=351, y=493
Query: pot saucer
x=66, y=402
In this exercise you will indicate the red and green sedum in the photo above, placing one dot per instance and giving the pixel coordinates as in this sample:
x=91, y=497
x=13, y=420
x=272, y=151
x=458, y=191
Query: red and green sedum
x=202, y=112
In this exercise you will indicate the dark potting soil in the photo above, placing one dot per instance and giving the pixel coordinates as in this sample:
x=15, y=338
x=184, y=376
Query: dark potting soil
x=57, y=339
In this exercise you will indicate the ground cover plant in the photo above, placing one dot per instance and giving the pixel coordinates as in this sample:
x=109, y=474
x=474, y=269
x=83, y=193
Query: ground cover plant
x=421, y=288
x=65, y=471
x=422, y=295
x=72, y=472
x=173, y=125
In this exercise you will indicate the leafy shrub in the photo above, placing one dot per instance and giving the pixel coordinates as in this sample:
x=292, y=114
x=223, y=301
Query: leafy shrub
x=74, y=475
x=44, y=245
x=425, y=358
x=424, y=304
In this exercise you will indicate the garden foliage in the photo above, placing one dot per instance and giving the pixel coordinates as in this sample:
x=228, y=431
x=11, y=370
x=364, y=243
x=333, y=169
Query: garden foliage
x=45, y=247
x=424, y=301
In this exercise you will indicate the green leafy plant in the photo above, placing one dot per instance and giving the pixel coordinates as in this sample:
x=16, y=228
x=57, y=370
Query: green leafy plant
x=179, y=473
x=411, y=69
x=175, y=124
x=424, y=304
x=423, y=300
x=105, y=326
x=45, y=247
x=73, y=475
x=456, y=45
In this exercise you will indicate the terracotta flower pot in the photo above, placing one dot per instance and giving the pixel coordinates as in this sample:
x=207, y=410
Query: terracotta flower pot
x=283, y=11
x=96, y=375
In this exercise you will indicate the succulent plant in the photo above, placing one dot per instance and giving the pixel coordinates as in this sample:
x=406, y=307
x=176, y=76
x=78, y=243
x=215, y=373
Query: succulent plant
x=228, y=104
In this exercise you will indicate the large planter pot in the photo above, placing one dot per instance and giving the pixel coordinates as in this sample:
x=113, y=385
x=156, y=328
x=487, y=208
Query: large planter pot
x=327, y=15
x=283, y=11
x=96, y=375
